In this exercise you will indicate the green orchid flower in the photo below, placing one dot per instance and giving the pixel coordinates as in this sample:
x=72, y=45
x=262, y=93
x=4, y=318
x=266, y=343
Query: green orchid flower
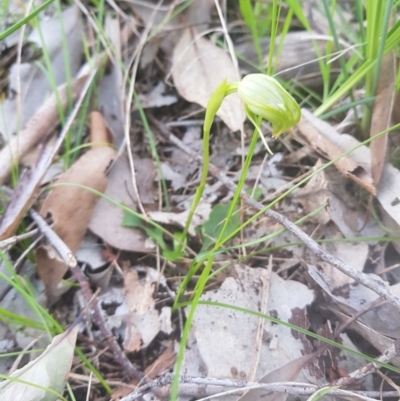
x=265, y=98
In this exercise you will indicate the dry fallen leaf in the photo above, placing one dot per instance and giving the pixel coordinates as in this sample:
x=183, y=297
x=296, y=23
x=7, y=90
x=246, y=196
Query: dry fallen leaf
x=326, y=141
x=329, y=187
x=381, y=115
x=199, y=66
x=49, y=370
x=219, y=330
x=142, y=323
x=69, y=206
x=179, y=219
x=107, y=218
x=162, y=363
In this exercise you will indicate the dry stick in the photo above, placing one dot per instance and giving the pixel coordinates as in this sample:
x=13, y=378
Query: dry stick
x=68, y=257
x=370, y=367
x=293, y=388
x=385, y=357
x=370, y=282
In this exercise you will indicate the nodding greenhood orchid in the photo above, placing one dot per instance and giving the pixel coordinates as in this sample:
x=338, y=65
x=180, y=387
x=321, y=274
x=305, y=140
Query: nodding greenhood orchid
x=264, y=98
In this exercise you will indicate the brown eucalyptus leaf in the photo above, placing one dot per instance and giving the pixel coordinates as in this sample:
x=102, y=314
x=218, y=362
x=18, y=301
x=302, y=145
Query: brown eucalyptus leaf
x=327, y=142
x=381, y=115
x=71, y=206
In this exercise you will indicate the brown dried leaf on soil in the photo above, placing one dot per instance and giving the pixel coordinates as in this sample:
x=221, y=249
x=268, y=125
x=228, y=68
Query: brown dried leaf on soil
x=199, y=66
x=327, y=142
x=142, y=323
x=71, y=207
x=162, y=363
x=381, y=115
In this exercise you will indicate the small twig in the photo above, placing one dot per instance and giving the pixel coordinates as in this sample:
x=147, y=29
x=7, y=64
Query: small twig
x=17, y=238
x=371, y=367
x=368, y=281
x=68, y=258
x=292, y=388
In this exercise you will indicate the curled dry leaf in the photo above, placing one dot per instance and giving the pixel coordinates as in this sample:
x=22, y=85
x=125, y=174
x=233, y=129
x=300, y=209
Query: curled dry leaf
x=199, y=67
x=49, y=370
x=70, y=204
x=357, y=166
x=381, y=115
x=326, y=141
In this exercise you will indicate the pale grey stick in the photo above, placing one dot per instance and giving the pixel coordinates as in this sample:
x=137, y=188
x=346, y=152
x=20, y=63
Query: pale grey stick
x=293, y=388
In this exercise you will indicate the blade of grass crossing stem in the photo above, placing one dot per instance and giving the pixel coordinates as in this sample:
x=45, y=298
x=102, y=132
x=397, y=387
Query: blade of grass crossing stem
x=25, y=20
x=302, y=182
x=213, y=105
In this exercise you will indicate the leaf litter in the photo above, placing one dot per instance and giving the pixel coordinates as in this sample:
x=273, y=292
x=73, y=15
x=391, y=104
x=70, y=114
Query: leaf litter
x=125, y=232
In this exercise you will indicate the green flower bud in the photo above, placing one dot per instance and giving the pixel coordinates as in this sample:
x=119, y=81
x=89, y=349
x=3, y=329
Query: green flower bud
x=265, y=97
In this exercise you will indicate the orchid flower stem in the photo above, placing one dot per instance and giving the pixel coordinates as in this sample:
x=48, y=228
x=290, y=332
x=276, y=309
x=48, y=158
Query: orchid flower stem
x=213, y=106
x=263, y=97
